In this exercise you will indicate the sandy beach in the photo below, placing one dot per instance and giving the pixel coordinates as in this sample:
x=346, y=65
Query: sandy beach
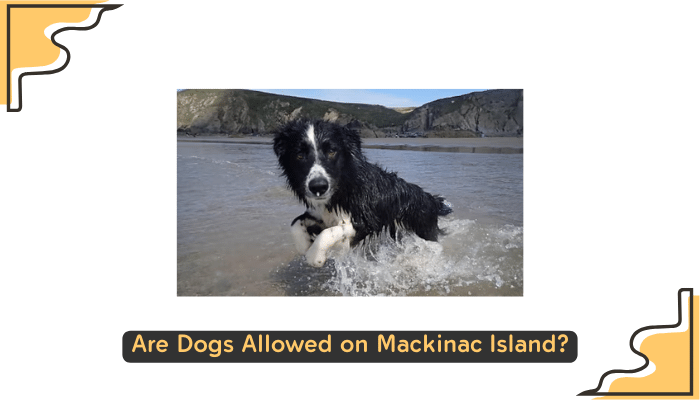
x=502, y=145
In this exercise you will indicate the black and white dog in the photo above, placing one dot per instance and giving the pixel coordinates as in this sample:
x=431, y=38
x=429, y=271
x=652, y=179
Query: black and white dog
x=347, y=198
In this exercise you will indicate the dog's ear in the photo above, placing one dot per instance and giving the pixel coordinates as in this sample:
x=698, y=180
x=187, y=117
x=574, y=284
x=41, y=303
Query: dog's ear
x=353, y=143
x=284, y=135
x=279, y=143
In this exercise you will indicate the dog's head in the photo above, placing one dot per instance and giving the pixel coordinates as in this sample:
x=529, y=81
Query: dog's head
x=314, y=156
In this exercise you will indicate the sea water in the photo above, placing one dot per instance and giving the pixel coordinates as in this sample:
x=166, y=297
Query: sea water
x=234, y=213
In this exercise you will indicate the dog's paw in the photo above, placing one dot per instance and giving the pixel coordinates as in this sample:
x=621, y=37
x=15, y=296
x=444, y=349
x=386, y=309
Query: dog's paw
x=316, y=257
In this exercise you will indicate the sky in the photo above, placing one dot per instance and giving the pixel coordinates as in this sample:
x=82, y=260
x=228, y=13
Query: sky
x=384, y=97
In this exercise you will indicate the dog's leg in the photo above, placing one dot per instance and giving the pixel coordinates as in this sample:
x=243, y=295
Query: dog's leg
x=317, y=253
x=301, y=237
x=305, y=228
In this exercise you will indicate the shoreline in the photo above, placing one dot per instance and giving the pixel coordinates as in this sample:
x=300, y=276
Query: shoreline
x=493, y=145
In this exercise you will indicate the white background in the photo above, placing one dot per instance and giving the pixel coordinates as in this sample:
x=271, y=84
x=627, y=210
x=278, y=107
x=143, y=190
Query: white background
x=88, y=178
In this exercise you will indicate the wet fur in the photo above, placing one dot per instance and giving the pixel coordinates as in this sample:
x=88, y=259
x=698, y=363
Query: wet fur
x=361, y=194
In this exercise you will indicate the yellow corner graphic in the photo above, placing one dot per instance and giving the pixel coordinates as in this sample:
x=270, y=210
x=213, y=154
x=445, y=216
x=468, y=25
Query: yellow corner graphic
x=670, y=353
x=28, y=43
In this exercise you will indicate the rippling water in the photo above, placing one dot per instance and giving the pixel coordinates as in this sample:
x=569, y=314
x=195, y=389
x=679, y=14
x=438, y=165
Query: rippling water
x=234, y=213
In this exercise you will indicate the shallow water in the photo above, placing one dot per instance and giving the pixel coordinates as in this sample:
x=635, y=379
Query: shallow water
x=234, y=212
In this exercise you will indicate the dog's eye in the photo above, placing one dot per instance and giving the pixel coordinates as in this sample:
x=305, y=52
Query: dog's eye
x=300, y=156
x=331, y=154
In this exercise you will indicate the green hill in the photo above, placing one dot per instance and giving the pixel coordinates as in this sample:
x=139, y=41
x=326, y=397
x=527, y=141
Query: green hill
x=247, y=112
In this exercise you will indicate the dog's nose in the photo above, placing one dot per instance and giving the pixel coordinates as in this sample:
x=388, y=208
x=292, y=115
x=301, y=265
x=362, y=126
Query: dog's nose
x=318, y=186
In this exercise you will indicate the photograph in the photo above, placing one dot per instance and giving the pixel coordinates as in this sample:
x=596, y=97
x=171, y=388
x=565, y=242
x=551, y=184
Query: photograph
x=347, y=198
x=350, y=192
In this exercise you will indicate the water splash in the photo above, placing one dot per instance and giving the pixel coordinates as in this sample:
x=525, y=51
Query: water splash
x=483, y=258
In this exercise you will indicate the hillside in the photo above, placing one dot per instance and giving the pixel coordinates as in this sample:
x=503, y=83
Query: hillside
x=247, y=112
x=488, y=114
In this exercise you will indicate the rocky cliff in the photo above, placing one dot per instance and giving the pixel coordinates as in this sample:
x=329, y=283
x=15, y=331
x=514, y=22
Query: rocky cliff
x=489, y=113
x=247, y=112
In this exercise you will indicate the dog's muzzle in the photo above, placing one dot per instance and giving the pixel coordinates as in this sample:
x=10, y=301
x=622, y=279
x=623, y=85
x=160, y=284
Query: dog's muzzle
x=318, y=186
